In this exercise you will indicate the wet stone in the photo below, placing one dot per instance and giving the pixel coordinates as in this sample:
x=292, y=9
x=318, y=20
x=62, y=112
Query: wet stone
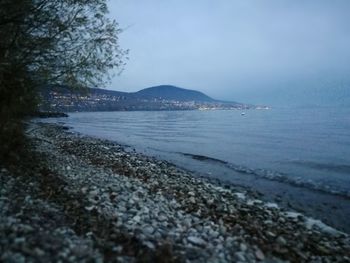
x=196, y=241
x=259, y=255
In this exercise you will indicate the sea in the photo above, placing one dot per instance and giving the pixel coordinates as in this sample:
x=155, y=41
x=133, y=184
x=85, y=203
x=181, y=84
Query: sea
x=299, y=157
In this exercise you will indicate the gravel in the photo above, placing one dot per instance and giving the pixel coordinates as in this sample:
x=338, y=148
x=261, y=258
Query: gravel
x=79, y=198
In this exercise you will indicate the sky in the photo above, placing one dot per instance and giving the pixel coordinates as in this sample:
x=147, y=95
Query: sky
x=280, y=52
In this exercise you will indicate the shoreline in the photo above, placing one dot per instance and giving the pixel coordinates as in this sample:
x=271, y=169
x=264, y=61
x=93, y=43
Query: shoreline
x=169, y=212
x=333, y=208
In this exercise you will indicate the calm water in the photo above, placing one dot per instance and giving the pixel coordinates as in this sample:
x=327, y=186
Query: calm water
x=309, y=148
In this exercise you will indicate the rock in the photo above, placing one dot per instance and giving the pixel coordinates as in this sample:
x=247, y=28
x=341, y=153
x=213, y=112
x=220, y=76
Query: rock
x=93, y=193
x=242, y=247
x=19, y=240
x=187, y=221
x=148, y=230
x=268, y=222
x=136, y=219
x=281, y=220
x=192, y=200
x=281, y=241
x=149, y=245
x=210, y=201
x=84, y=190
x=240, y=256
x=90, y=208
x=145, y=210
x=222, y=230
x=113, y=195
x=118, y=249
x=162, y=218
x=270, y=234
x=196, y=241
x=259, y=255
x=39, y=252
x=214, y=234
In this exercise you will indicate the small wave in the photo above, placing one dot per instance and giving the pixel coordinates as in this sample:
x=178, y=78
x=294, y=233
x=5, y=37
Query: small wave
x=204, y=158
x=275, y=176
x=292, y=180
x=338, y=168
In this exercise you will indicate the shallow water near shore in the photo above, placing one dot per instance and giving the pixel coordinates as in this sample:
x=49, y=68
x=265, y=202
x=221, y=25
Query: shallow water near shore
x=299, y=157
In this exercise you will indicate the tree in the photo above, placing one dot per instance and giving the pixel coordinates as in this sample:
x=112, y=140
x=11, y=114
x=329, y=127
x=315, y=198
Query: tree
x=45, y=42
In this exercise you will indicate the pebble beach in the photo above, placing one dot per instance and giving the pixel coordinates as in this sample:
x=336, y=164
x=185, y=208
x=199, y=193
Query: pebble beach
x=86, y=199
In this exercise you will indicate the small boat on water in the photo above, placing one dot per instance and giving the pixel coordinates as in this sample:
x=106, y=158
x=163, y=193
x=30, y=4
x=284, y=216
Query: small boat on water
x=243, y=113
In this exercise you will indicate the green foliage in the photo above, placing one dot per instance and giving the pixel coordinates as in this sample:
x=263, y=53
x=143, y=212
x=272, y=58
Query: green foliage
x=48, y=42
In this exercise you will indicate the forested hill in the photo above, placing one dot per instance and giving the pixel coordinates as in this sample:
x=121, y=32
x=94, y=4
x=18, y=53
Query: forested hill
x=164, y=97
x=173, y=93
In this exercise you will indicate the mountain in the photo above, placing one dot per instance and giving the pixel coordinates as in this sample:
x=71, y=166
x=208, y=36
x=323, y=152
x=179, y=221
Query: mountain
x=169, y=92
x=164, y=97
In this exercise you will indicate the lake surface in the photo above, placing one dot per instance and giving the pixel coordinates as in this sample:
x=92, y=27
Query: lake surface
x=305, y=147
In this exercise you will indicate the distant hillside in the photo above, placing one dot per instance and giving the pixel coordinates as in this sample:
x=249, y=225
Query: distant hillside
x=164, y=97
x=169, y=92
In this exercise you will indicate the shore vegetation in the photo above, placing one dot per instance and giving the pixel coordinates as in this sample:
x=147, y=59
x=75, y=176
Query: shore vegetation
x=50, y=42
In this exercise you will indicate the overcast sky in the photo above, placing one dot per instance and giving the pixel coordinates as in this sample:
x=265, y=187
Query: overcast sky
x=251, y=51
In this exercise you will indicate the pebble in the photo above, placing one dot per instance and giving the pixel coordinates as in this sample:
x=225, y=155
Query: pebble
x=242, y=247
x=192, y=200
x=259, y=254
x=39, y=252
x=90, y=208
x=20, y=240
x=240, y=256
x=269, y=233
x=196, y=241
x=137, y=219
x=281, y=241
x=148, y=230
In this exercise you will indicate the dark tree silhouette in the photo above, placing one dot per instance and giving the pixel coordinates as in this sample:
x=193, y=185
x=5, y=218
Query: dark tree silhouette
x=47, y=42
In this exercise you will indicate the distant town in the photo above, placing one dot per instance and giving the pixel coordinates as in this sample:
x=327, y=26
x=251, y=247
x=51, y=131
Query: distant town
x=155, y=98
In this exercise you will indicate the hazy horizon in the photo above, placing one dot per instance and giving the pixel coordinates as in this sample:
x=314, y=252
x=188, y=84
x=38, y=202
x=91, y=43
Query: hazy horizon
x=275, y=52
